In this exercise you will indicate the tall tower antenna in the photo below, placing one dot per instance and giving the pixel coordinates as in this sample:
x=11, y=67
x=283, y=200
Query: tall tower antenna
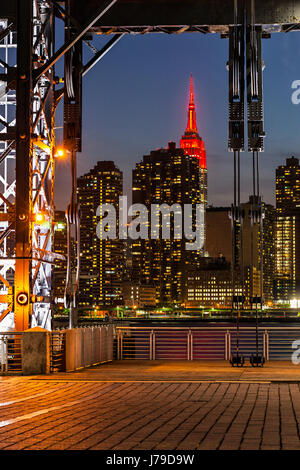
x=191, y=141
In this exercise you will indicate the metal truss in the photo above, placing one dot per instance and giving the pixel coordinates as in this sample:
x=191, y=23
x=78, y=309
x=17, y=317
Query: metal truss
x=27, y=181
x=28, y=101
x=159, y=29
x=176, y=16
x=7, y=174
x=42, y=169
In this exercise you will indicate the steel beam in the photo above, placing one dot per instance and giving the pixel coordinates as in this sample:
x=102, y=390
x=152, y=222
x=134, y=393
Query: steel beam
x=98, y=56
x=217, y=15
x=105, y=6
x=6, y=31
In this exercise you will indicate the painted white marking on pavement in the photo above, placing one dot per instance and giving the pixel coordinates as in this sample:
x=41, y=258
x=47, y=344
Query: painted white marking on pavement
x=17, y=400
x=48, y=410
x=37, y=413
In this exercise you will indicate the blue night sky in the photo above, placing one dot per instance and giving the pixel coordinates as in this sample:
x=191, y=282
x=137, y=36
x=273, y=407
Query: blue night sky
x=135, y=100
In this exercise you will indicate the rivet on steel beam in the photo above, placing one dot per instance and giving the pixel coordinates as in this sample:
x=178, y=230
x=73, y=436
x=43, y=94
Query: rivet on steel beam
x=22, y=298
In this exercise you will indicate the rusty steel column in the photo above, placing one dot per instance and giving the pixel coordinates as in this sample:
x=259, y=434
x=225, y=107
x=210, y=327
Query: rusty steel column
x=23, y=162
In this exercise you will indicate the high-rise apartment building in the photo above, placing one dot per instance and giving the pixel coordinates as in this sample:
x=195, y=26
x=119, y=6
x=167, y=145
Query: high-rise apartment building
x=219, y=242
x=59, y=247
x=287, y=231
x=259, y=248
x=288, y=186
x=101, y=259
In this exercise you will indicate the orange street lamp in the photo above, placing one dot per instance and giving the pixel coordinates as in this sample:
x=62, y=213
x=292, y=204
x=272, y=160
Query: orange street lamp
x=39, y=217
x=60, y=152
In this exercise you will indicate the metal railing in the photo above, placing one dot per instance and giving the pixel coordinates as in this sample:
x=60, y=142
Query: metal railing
x=10, y=352
x=203, y=343
x=89, y=346
x=83, y=347
x=57, y=351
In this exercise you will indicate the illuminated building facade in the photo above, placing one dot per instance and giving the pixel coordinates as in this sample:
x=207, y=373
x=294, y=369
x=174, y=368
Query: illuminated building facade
x=288, y=186
x=59, y=247
x=219, y=242
x=101, y=260
x=268, y=246
x=212, y=287
x=166, y=176
x=138, y=295
x=287, y=280
x=287, y=231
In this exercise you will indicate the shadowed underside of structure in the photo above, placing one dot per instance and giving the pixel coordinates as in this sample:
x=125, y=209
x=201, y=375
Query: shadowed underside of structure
x=276, y=15
x=142, y=16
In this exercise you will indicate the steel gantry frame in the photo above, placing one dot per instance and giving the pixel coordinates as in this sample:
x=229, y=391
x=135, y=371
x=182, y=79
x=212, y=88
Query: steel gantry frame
x=30, y=92
x=27, y=135
x=29, y=97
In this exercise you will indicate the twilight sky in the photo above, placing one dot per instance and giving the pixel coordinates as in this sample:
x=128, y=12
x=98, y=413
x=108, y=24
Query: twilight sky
x=135, y=100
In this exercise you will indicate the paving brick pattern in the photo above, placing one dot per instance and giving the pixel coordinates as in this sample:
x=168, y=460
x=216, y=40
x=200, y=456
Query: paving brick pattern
x=45, y=414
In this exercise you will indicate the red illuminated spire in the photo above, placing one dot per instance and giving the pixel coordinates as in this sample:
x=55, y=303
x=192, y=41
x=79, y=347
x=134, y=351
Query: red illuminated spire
x=191, y=141
x=192, y=125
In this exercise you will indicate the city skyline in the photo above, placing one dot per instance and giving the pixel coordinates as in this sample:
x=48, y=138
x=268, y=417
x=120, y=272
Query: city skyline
x=152, y=182
x=218, y=252
x=150, y=228
x=126, y=121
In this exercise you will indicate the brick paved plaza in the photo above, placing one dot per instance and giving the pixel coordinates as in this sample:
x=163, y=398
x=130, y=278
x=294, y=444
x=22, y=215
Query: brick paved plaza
x=144, y=406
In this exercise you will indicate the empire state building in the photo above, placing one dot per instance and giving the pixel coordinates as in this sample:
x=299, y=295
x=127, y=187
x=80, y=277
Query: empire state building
x=170, y=176
x=193, y=144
